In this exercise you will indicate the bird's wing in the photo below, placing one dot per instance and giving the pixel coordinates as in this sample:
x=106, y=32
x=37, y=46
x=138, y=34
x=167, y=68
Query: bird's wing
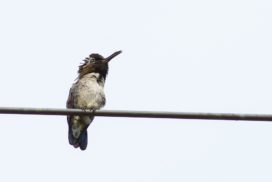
x=70, y=103
x=70, y=100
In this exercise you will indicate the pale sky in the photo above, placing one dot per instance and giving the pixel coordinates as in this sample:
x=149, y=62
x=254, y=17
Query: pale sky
x=196, y=56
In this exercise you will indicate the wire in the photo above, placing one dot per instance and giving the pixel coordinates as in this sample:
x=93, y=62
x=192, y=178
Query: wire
x=137, y=114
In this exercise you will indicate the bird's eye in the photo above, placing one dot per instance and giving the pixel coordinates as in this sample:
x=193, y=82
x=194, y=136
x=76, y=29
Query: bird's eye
x=91, y=60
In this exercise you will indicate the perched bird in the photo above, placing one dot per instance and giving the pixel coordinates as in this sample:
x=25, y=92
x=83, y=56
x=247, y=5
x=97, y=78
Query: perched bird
x=87, y=93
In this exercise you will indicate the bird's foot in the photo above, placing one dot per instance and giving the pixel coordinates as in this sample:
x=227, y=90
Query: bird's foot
x=92, y=110
x=89, y=110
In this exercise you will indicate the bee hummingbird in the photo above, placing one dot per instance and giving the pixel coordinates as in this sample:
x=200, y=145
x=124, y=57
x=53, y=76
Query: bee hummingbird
x=87, y=93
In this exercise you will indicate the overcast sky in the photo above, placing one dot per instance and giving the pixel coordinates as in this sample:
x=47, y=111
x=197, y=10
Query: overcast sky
x=197, y=56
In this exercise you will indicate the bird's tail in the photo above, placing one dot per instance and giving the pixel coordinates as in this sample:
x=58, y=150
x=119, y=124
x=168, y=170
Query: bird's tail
x=80, y=142
x=83, y=140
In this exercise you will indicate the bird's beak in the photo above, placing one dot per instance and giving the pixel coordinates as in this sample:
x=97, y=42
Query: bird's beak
x=112, y=56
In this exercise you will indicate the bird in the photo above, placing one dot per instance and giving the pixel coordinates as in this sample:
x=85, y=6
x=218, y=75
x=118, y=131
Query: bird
x=87, y=93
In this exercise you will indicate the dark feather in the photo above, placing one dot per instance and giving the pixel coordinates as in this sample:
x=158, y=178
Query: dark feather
x=83, y=140
x=95, y=63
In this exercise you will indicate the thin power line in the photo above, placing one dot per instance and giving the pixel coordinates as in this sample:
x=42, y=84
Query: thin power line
x=137, y=114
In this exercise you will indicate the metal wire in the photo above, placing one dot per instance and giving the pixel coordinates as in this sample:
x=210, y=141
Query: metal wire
x=137, y=114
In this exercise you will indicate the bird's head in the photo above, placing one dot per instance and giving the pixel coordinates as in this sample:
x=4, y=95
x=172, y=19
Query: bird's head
x=96, y=63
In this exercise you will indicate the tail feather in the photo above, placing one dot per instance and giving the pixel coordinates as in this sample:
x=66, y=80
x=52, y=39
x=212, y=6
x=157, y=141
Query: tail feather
x=83, y=140
x=80, y=142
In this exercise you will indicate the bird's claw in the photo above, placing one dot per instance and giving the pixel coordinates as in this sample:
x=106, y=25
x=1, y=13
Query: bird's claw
x=92, y=110
x=86, y=110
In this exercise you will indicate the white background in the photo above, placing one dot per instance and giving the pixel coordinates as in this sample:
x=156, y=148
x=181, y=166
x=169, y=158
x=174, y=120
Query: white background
x=195, y=56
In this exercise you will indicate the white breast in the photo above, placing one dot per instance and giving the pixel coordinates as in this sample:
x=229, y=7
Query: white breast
x=89, y=93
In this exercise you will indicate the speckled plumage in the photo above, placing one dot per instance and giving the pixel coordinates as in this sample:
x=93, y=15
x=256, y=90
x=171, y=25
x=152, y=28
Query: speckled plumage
x=87, y=93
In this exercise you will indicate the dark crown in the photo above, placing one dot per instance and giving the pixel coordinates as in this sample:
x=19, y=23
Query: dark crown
x=96, y=63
